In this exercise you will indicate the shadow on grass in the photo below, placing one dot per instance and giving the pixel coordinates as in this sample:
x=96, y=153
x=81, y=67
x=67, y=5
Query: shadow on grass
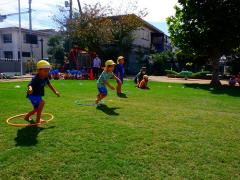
x=27, y=136
x=107, y=110
x=231, y=91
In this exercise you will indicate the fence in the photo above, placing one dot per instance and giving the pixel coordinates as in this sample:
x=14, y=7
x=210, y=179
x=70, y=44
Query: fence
x=11, y=65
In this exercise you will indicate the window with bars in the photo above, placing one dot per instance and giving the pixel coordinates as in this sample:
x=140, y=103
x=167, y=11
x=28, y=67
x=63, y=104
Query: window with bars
x=7, y=38
x=8, y=54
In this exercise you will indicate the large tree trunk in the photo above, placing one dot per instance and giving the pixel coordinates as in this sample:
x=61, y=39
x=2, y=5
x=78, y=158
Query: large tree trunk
x=215, y=77
x=214, y=56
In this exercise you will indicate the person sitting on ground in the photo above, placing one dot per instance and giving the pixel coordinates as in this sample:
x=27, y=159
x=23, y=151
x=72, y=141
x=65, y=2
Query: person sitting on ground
x=238, y=78
x=144, y=83
x=232, y=81
x=139, y=76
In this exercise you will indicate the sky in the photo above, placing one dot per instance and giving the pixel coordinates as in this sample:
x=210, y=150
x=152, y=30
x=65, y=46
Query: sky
x=43, y=10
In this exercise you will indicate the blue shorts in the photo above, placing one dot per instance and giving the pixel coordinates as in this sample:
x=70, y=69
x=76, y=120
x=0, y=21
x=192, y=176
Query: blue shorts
x=102, y=90
x=35, y=100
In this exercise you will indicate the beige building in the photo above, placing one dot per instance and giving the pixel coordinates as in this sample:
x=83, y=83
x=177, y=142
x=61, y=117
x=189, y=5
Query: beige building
x=9, y=43
x=9, y=46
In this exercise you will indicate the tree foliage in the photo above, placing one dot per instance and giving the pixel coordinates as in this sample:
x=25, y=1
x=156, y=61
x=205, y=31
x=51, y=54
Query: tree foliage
x=56, y=49
x=100, y=26
x=206, y=28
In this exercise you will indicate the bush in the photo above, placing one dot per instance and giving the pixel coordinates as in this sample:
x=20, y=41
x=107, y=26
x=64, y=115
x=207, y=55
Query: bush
x=200, y=75
x=197, y=75
x=172, y=74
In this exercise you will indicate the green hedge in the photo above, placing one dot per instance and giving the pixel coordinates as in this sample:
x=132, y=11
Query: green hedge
x=197, y=75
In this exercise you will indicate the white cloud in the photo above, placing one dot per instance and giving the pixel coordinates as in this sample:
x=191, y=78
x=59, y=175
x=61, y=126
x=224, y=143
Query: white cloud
x=158, y=10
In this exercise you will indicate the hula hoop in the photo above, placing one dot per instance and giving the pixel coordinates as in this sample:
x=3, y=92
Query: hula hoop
x=77, y=102
x=24, y=125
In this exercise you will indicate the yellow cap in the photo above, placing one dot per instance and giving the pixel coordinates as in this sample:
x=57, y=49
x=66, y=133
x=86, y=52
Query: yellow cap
x=42, y=64
x=119, y=58
x=109, y=63
x=145, y=77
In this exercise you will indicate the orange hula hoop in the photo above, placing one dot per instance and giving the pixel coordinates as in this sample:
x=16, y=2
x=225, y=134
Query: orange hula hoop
x=25, y=125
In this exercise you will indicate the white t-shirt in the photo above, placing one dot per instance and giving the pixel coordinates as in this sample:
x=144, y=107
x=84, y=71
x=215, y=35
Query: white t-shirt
x=97, y=62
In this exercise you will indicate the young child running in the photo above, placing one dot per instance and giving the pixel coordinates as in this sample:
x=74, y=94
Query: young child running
x=102, y=82
x=119, y=72
x=36, y=90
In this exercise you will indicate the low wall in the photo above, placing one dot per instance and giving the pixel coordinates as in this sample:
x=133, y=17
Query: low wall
x=11, y=66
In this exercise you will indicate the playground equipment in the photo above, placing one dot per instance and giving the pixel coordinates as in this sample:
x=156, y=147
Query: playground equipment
x=82, y=59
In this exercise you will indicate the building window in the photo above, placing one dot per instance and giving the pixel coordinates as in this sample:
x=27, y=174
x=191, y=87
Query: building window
x=24, y=54
x=8, y=54
x=7, y=38
x=30, y=39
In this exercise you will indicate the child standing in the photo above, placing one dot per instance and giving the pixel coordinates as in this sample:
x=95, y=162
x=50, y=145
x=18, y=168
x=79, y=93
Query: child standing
x=36, y=90
x=144, y=83
x=119, y=72
x=102, y=82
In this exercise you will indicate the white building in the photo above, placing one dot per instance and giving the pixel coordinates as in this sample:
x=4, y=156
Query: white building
x=9, y=46
x=9, y=43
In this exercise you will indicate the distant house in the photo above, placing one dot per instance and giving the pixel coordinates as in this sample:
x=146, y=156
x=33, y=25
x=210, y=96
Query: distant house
x=148, y=39
x=9, y=47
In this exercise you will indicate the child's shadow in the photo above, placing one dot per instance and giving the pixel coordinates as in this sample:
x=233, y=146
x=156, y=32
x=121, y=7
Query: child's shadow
x=107, y=110
x=28, y=136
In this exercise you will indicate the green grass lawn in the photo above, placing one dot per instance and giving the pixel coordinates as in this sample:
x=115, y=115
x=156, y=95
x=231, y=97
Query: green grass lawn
x=172, y=131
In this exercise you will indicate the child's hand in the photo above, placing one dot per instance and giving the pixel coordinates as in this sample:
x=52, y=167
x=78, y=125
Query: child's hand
x=29, y=91
x=58, y=94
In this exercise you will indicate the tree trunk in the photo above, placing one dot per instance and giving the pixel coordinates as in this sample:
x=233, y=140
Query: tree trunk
x=214, y=56
x=215, y=77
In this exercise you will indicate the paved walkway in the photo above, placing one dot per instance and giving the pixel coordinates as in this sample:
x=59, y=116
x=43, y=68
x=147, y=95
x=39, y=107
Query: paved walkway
x=181, y=80
x=152, y=78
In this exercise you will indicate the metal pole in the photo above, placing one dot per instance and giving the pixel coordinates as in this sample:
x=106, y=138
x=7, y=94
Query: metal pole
x=79, y=7
x=30, y=27
x=41, y=40
x=20, y=36
x=70, y=14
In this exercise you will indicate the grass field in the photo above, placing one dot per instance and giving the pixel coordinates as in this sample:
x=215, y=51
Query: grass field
x=172, y=131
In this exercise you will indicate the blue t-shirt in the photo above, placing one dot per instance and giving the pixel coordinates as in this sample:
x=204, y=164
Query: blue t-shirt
x=119, y=70
x=38, y=85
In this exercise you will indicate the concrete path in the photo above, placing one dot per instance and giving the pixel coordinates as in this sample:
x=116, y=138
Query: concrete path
x=181, y=80
x=151, y=78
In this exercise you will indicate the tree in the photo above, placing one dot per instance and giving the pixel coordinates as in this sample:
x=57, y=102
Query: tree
x=56, y=49
x=162, y=61
x=206, y=28
x=100, y=27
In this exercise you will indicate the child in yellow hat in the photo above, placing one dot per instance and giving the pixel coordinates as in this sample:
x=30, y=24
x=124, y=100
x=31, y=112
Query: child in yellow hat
x=102, y=82
x=36, y=90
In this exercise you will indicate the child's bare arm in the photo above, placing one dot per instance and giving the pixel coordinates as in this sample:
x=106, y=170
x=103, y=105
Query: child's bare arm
x=118, y=80
x=30, y=90
x=53, y=90
x=109, y=85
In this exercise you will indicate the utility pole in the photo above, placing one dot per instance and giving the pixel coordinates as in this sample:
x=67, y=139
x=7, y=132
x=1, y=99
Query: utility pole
x=30, y=27
x=70, y=12
x=41, y=40
x=20, y=37
x=79, y=7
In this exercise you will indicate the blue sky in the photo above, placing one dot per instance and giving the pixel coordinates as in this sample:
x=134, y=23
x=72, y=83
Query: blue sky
x=157, y=10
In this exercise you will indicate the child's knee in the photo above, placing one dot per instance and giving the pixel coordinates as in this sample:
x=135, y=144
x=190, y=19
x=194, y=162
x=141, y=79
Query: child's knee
x=42, y=102
x=103, y=95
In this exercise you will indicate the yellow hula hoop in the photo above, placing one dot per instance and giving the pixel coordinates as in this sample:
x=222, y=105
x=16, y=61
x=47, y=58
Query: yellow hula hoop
x=24, y=125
